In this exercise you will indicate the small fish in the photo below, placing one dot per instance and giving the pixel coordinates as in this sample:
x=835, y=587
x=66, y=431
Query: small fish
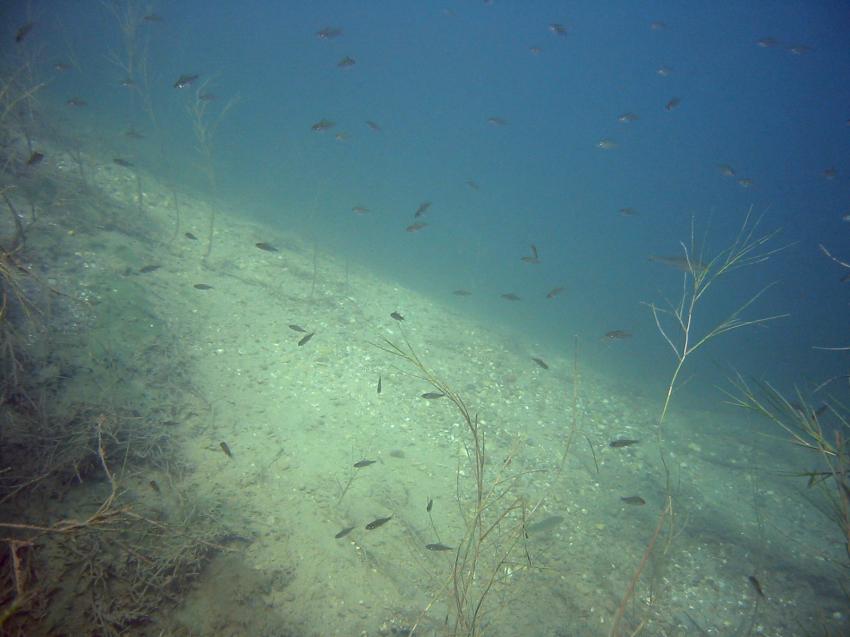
x=658, y=25
x=628, y=212
x=344, y=532
x=23, y=31
x=606, y=143
x=266, y=246
x=153, y=485
x=35, y=158
x=189, y=235
x=554, y=292
x=617, y=334
x=431, y=395
x=844, y=279
x=726, y=170
x=422, y=209
x=305, y=339
x=830, y=173
x=635, y=500
x=133, y=134
x=374, y=524
x=329, y=33
x=430, y=505
x=185, y=80
x=225, y=449
x=533, y=258
x=438, y=547
x=76, y=102
x=363, y=463
x=207, y=97
x=202, y=286
x=379, y=383
x=510, y=296
x=540, y=362
x=397, y=316
x=297, y=328
x=462, y=293
x=756, y=585
x=767, y=43
x=360, y=210
x=61, y=67
x=415, y=227
x=673, y=103
x=800, y=49
x=622, y=442
x=664, y=71
x=127, y=82
x=558, y=29
x=149, y=268
x=745, y=182
x=535, y=50
x=347, y=62
x=322, y=125
x=122, y=162
x=496, y=121
x=152, y=17
x=472, y=184
x=375, y=127
x=627, y=118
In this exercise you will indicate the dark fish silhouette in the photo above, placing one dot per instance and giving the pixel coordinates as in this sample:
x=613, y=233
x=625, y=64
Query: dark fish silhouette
x=756, y=585
x=124, y=163
x=185, y=80
x=23, y=31
x=344, y=532
x=415, y=227
x=431, y=395
x=462, y=293
x=225, y=449
x=438, y=547
x=305, y=339
x=77, y=102
x=322, y=125
x=202, y=286
x=266, y=246
x=364, y=463
x=297, y=328
x=379, y=383
x=397, y=316
x=617, y=334
x=554, y=292
x=149, y=268
x=422, y=209
x=373, y=126
x=189, y=235
x=510, y=296
x=622, y=442
x=347, y=62
x=634, y=500
x=540, y=362
x=329, y=33
x=374, y=524
x=35, y=158
x=533, y=258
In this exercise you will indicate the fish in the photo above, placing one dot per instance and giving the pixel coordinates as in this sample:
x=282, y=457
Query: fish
x=756, y=585
x=628, y=212
x=35, y=158
x=726, y=170
x=679, y=262
x=262, y=245
x=635, y=500
x=664, y=71
x=430, y=505
x=61, y=67
x=800, y=49
x=226, y=449
x=472, y=184
x=153, y=485
x=127, y=82
x=344, y=532
x=830, y=173
x=438, y=547
x=622, y=442
x=672, y=103
x=347, y=62
x=379, y=383
x=375, y=127
x=535, y=50
x=124, y=163
x=627, y=118
x=133, y=134
x=462, y=293
x=207, y=97
x=767, y=43
x=415, y=227
x=359, y=210
x=533, y=258
x=305, y=339
x=397, y=316
x=189, y=235
x=185, y=80
x=558, y=29
x=496, y=121
x=374, y=524
x=328, y=33
x=658, y=25
x=363, y=463
x=745, y=182
x=149, y=268
x=202, y=286
x=76, y=102
x=540, y=362
x=844, y=279
x=546, y=524
x=510, y=296
x=422, y=209
x=432, y=395
x=297, y=328
x=152, y=17
x=606, y=144
x=23, y=30
x=554, y=292
x=322, y=125
x=617, y=334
